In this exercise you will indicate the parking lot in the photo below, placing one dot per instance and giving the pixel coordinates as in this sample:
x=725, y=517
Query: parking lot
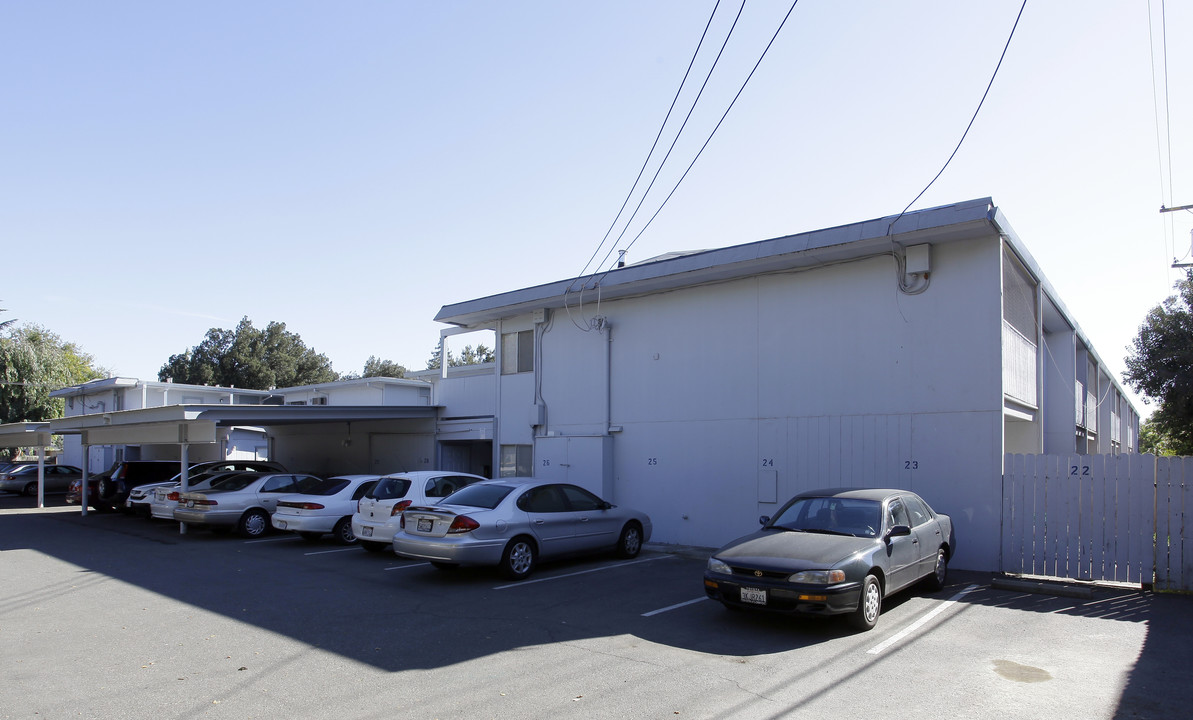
x=113, y=616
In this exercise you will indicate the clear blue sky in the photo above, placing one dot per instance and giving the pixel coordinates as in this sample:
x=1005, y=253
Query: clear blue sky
x=349, y=168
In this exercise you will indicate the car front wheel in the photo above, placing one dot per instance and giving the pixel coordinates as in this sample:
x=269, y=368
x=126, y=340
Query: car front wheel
x=517, y=562
x=869, y=605
x=253, y=523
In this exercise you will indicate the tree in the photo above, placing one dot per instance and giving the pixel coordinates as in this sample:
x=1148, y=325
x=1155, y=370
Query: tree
x=4, y=324
x=34, y=362
x=468, y=356
x=1160, y=367
x=376, y=367
x=249, y=358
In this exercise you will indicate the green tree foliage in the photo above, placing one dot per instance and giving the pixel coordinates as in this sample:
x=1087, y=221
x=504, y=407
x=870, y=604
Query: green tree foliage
x=1160, y=367
x=248, y=357
x=34, y=362
x=468, y=356
x=5, y=323
x=376, y=367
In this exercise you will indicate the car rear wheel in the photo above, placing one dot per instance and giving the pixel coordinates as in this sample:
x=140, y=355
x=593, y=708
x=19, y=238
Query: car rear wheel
x=342, y=532
x=253, y=523
x=372, y=546
x=940, y=573
x=869, y=605
x=630, y=542
x=517, y=562
x=30, y=489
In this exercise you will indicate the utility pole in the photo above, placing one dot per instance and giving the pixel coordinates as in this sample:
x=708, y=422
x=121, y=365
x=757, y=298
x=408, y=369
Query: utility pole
x=1176, y=264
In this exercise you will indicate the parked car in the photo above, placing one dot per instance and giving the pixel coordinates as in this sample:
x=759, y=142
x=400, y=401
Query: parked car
x=515, y=522
x=242, y=501
x=22, y=478
x=376, y=518
x=836, y=551
x=325, y=508
x=108, y=490
x=140, y=498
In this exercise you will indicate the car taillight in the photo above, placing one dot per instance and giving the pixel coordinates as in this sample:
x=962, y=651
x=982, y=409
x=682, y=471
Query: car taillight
x=399, y=507
x=301, y=505
x=172, y=496
x=462, y=524
x=206, y=502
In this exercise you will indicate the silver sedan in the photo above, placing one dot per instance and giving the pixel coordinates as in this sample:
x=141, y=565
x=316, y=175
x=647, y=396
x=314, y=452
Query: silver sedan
x=243, y=501
x=515, y=522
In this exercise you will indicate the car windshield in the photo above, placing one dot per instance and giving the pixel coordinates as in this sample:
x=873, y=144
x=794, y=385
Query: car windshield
x=831, y=516
x=389, y=488
x=480, y=496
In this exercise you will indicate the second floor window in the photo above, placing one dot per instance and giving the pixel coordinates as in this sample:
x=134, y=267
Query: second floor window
x=517, y=352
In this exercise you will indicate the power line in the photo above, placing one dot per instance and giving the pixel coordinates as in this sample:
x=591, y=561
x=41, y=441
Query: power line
x=710, y=135
x=971, y=121
x=654, y=145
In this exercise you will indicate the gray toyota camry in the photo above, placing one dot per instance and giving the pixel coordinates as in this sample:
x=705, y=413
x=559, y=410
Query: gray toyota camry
x=831, y=552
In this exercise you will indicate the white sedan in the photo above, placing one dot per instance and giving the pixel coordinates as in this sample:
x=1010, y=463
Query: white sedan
x=324, y=508
x=378, y=511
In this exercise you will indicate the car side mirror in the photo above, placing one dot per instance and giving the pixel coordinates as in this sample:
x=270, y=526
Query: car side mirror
x=763, y=520
x=898, y=531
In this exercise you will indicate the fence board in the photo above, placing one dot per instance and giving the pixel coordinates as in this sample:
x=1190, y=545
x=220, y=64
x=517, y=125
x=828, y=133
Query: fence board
x=1039, y=524
x=1116, y=497
x=1186, y=528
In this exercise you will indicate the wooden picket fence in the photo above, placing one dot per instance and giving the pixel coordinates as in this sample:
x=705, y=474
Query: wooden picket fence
x=1115, y=518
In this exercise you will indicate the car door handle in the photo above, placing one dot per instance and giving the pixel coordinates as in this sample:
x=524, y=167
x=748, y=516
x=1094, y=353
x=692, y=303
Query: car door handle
x=538, y=522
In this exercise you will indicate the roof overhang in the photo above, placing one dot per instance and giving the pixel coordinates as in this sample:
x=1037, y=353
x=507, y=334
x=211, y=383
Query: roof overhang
x=961, y=221
x=198, y=423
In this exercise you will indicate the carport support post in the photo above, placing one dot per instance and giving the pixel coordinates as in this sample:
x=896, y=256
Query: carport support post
x=41, y=476
x=86, y=475
x=186, y=451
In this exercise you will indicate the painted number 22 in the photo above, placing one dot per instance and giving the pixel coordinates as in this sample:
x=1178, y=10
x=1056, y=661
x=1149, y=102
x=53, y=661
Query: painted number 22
x=1083, y=470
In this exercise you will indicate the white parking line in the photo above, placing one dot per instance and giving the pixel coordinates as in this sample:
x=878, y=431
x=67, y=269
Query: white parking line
x=277, y=539
x=403, y=567
x=324, y=552
x=919, y=623
x=674, y=607
x=524, y=583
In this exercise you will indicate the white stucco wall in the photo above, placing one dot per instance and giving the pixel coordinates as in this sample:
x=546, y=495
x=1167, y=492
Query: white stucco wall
x=730, y=398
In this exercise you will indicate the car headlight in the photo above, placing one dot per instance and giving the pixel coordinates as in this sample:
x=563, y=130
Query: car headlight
x=718, y=566
x=818, y=577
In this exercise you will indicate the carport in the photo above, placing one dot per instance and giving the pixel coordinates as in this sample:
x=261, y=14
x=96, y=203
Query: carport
x=27, y=435
x=188, y=425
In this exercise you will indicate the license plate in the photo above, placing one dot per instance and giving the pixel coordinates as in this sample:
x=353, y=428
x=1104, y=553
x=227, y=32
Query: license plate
x=281, y=524
x=756, y=596
x=425, y=524
x=366, y=531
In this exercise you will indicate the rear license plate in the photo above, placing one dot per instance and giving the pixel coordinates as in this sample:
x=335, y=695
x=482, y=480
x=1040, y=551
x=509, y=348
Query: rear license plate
x=281, y=524
x=425, y=524
x=366, y=531
x=756, y=596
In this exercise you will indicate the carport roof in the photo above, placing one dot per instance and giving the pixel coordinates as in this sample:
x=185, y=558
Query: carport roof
x=25, y=434
x=197, y=423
